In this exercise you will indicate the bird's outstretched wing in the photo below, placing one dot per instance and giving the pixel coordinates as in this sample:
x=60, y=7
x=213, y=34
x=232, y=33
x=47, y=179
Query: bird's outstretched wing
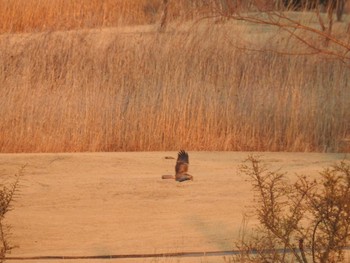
x=181, y=168
x=182, y=163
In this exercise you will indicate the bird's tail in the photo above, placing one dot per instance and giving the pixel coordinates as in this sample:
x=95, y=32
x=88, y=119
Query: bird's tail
x=168, y=176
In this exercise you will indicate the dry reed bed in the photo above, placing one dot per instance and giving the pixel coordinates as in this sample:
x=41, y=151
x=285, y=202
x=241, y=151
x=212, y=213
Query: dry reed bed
x=31, y=15
x=39, y=15
x=107, y=90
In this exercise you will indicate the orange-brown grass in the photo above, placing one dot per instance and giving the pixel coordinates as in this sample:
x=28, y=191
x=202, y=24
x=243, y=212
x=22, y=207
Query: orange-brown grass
x=39, y=15
x=134, y=89
x=42, y=15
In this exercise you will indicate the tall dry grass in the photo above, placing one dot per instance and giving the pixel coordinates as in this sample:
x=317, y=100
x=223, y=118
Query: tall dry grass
x=42, y=15
x=135, y=89
x=39, y=15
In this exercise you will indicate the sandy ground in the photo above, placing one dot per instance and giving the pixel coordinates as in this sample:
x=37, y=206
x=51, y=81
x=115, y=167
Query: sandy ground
x=117, y=203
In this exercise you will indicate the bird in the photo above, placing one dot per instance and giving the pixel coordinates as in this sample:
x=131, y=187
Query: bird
x=181, y=168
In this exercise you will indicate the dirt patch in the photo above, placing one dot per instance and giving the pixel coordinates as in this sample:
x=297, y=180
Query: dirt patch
x=117, y=203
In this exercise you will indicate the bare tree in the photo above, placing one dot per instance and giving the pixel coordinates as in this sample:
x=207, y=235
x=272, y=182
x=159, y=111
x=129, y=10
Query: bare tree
x=313, y=40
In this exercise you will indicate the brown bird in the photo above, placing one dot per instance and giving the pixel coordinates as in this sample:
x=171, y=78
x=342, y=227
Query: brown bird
x=181, y=168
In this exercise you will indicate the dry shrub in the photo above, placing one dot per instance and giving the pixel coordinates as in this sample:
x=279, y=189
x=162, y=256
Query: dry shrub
x=305, y=221
x=7, y=195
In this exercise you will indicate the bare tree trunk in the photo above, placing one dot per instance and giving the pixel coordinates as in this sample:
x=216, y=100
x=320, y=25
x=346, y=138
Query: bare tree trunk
x=320, y=20
x=163, y=20
x=340, y=9
x=302, y=251
x=336, y=5
x=330, y=9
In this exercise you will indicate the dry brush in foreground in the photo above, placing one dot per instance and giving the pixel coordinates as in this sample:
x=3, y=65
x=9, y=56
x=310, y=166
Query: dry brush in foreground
x=304, y=221
x=7, y=196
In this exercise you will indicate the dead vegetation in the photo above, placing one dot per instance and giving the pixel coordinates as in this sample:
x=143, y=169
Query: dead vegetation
x=304, y=221
x=34, y=16
x=7, y=196
x=228, y=85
